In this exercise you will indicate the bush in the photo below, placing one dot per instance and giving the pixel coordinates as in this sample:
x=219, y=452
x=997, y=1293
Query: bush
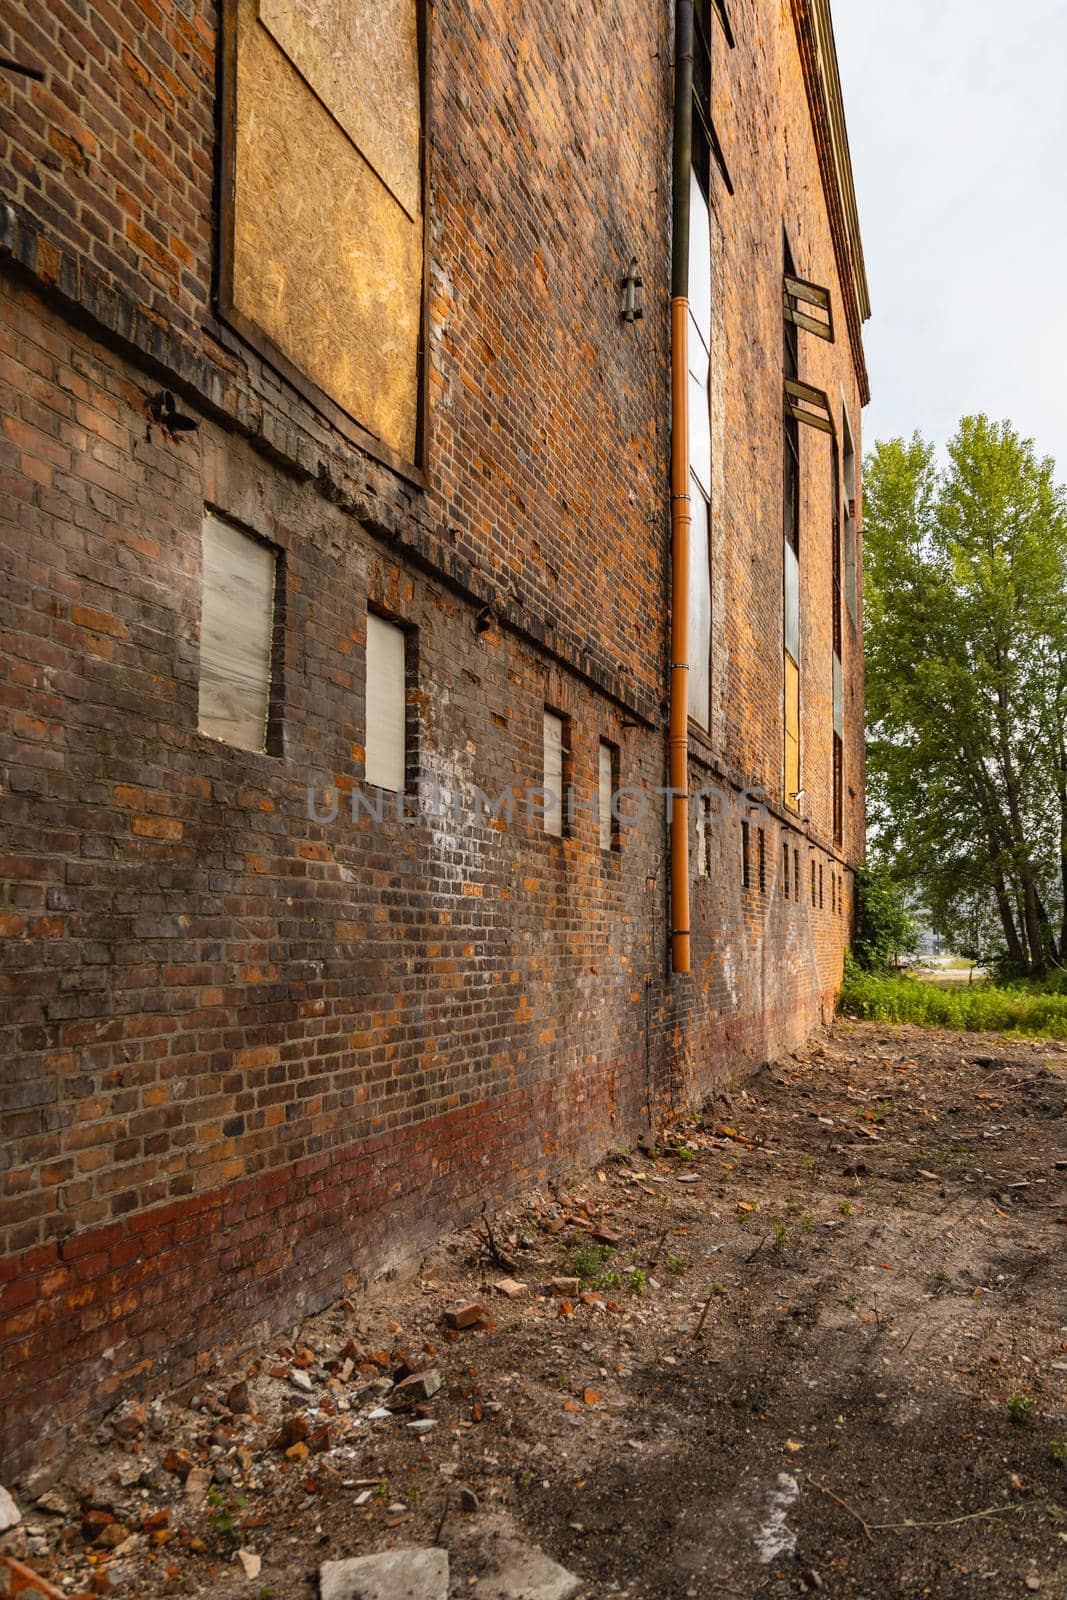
x=884, y=930
x=895, y=997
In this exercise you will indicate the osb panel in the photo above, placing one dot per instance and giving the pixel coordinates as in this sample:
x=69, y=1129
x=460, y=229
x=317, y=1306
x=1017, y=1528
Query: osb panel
x=363, y=63
x=325, y=261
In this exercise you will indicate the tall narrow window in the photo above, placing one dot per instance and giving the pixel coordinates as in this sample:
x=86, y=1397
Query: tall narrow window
x=698, y=340
x=791, y=564
x=785, y=868
x=553, y=774
x=792, y=733
x=796, y=875
x=386, y=739
x=850, y=516
x=608, y=785
x=837, y=686
x=761, y=856
x=835, y=544
x=814, y=886
x=820, y=886
x=838, y=755
x=746, y=862
x=236, y=634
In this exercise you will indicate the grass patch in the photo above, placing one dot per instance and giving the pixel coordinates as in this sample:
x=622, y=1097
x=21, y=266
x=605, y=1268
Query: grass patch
x=980, y=1008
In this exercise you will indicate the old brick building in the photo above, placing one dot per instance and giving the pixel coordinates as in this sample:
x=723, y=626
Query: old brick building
x=261, y=1034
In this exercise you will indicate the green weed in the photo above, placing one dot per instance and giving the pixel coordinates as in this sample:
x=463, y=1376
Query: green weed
x=983, y=1007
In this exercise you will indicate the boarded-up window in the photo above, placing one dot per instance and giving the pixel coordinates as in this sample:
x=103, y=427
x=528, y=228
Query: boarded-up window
x=553, y=774
x=236, y=633
x=322, y=189
x=792, y=602
x=792, y=734
x=699, y=609
x=607, y=788
x=386, y=738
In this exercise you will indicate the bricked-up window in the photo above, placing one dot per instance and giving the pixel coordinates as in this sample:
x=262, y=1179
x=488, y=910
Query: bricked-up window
x=237, y=617
x=704, y=837
x=746, y=858
x=820, y=886
x=386, y=738
x=608, y=784
x=554, y=772
x=814, y=886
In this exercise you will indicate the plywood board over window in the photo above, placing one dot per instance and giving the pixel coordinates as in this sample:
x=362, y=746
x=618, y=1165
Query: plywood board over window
x=386, y=738
x=322, y=228
x=236, y=633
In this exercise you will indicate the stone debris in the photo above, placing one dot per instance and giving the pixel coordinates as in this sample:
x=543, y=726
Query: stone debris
x=197, y=1483
x=511, y=1288
x=419, y=1386
x=406, y=1574
x=251, y=1563
x=10, y=1515
x=526, y=1573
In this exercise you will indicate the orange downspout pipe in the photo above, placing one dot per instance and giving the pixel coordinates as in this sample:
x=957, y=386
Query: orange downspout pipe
x=681, y=506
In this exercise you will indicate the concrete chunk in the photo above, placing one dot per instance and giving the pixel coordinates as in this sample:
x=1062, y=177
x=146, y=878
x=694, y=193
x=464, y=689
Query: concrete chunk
x=528, y=1574
x=408, y=1574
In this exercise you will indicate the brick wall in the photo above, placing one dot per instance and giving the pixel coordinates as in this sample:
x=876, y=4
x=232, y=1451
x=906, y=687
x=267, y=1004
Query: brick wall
x=249, y=1055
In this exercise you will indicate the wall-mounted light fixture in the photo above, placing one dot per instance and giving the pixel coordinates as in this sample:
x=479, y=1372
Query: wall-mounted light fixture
x=632, y=292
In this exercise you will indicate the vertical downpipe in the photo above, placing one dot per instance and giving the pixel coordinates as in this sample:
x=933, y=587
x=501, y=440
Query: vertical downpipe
x=681, y=510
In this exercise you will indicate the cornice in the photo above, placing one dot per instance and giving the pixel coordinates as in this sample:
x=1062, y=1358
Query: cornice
x=822, y=81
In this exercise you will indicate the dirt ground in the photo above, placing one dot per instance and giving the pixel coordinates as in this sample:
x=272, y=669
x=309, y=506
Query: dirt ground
x=820, y=1345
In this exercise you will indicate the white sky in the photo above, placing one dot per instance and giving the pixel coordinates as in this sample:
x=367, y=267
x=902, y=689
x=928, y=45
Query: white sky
x=957, y=117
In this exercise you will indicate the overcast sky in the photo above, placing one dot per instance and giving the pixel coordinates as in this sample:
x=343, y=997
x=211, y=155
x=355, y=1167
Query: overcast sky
x=957, y=116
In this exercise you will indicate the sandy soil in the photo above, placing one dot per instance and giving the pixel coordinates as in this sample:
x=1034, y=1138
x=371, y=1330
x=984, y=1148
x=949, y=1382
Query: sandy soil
x=820, y=1346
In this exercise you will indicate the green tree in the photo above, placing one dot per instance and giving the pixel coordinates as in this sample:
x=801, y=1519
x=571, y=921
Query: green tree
x=966, y=596
x=885, y=929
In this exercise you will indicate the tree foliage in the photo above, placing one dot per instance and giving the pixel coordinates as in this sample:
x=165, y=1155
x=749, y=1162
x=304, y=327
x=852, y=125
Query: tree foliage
x=966, y=641
x=885, y=930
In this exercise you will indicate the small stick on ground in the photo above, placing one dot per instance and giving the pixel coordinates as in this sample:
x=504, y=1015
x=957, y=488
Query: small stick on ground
x=495, y=1253
x=871, y=1528
x=660, y=1242
x=699, y=1329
